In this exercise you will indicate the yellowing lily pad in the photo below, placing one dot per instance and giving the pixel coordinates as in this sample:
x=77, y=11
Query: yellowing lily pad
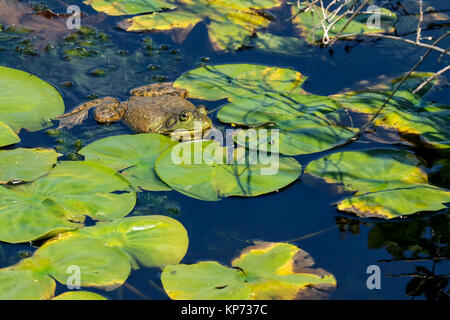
x=387, y=183
x=60, y=201
x=232, y=81
x=265, y=271
x=134, y=156
x=25, y=164
x=100, y=256
x=230, y=23
x=27, y=101
x=199, y=169
x=79, y=295
x=309, y=25
x=408, y=113
x=7, y=135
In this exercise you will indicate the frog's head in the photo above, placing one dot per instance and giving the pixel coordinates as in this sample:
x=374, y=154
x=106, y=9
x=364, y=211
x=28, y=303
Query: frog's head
x=189, y=120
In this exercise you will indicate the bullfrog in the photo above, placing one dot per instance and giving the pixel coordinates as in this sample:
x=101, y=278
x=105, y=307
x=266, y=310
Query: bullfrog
x=159, y=108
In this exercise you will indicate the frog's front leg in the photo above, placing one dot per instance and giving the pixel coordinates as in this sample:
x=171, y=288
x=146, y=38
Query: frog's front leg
x=159, y=89
x=80, y=113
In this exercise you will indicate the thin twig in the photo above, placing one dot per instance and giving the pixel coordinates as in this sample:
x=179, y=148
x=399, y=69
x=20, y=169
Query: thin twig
x=378, y=35
x=136, y=291
x=419, y=29
x=349, y=20
x=437, y=74
x=301, y=10
x=415, y=259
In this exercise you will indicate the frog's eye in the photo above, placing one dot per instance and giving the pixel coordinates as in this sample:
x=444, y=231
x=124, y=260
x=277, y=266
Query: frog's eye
x=186, y=116
x=201, y=110
x=171, y=122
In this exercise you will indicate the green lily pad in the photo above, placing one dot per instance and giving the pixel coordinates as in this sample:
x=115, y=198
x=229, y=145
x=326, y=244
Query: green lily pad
x=387, y=183
x=7, y=135
x=309, y=24
x=232, y=81
x=79, y=295
x=27, y=101
x=230, y=23
x=154, y=241
x=266, y=271
x=306, y=123
x=134, y=156
x=102, y=256
x=25, y=164
x=126, y=7
x=23, y=284
x=60, y=201
x=199, y=169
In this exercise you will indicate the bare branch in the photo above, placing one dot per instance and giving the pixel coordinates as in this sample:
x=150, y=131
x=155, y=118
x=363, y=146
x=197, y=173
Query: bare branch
x=379, y=35
x=419, y=29
x=437, y=74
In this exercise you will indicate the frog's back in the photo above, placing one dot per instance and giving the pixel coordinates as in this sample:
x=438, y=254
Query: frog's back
x=148, y=114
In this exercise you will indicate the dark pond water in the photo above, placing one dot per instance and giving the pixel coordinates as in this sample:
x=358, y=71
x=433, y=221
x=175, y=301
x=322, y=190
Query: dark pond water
x=301, y=213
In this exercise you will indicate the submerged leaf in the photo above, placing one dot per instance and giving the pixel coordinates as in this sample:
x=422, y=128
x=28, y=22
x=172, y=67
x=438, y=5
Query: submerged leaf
x=134, y=156
x=230, y=23
x=266, y=271
x=61, y=200
x=387, y=183
x=25, y=164
x=26, y=101
x=200, y=169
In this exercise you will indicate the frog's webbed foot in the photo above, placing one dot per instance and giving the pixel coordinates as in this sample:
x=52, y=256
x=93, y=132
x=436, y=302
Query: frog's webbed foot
x=80, y=113
x=159, y=89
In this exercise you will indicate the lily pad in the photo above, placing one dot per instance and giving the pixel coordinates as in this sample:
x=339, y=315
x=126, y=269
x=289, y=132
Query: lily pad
x=308, y=23
x=387, y=183
x=134, y=156
x=79, y=295
x=101, y=255
x=23, y=284
x=27, y=101
x=25, y=164
x=60, y=201
x=153, y=241
x=232, y=81
x=230, y=23
x=199, y=169
x=128, y=7
x=7, y=135
x=306, y=123
x=266, y=271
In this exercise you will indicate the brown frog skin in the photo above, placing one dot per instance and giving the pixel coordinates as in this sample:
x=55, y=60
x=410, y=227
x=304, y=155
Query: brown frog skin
x=159, y=108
